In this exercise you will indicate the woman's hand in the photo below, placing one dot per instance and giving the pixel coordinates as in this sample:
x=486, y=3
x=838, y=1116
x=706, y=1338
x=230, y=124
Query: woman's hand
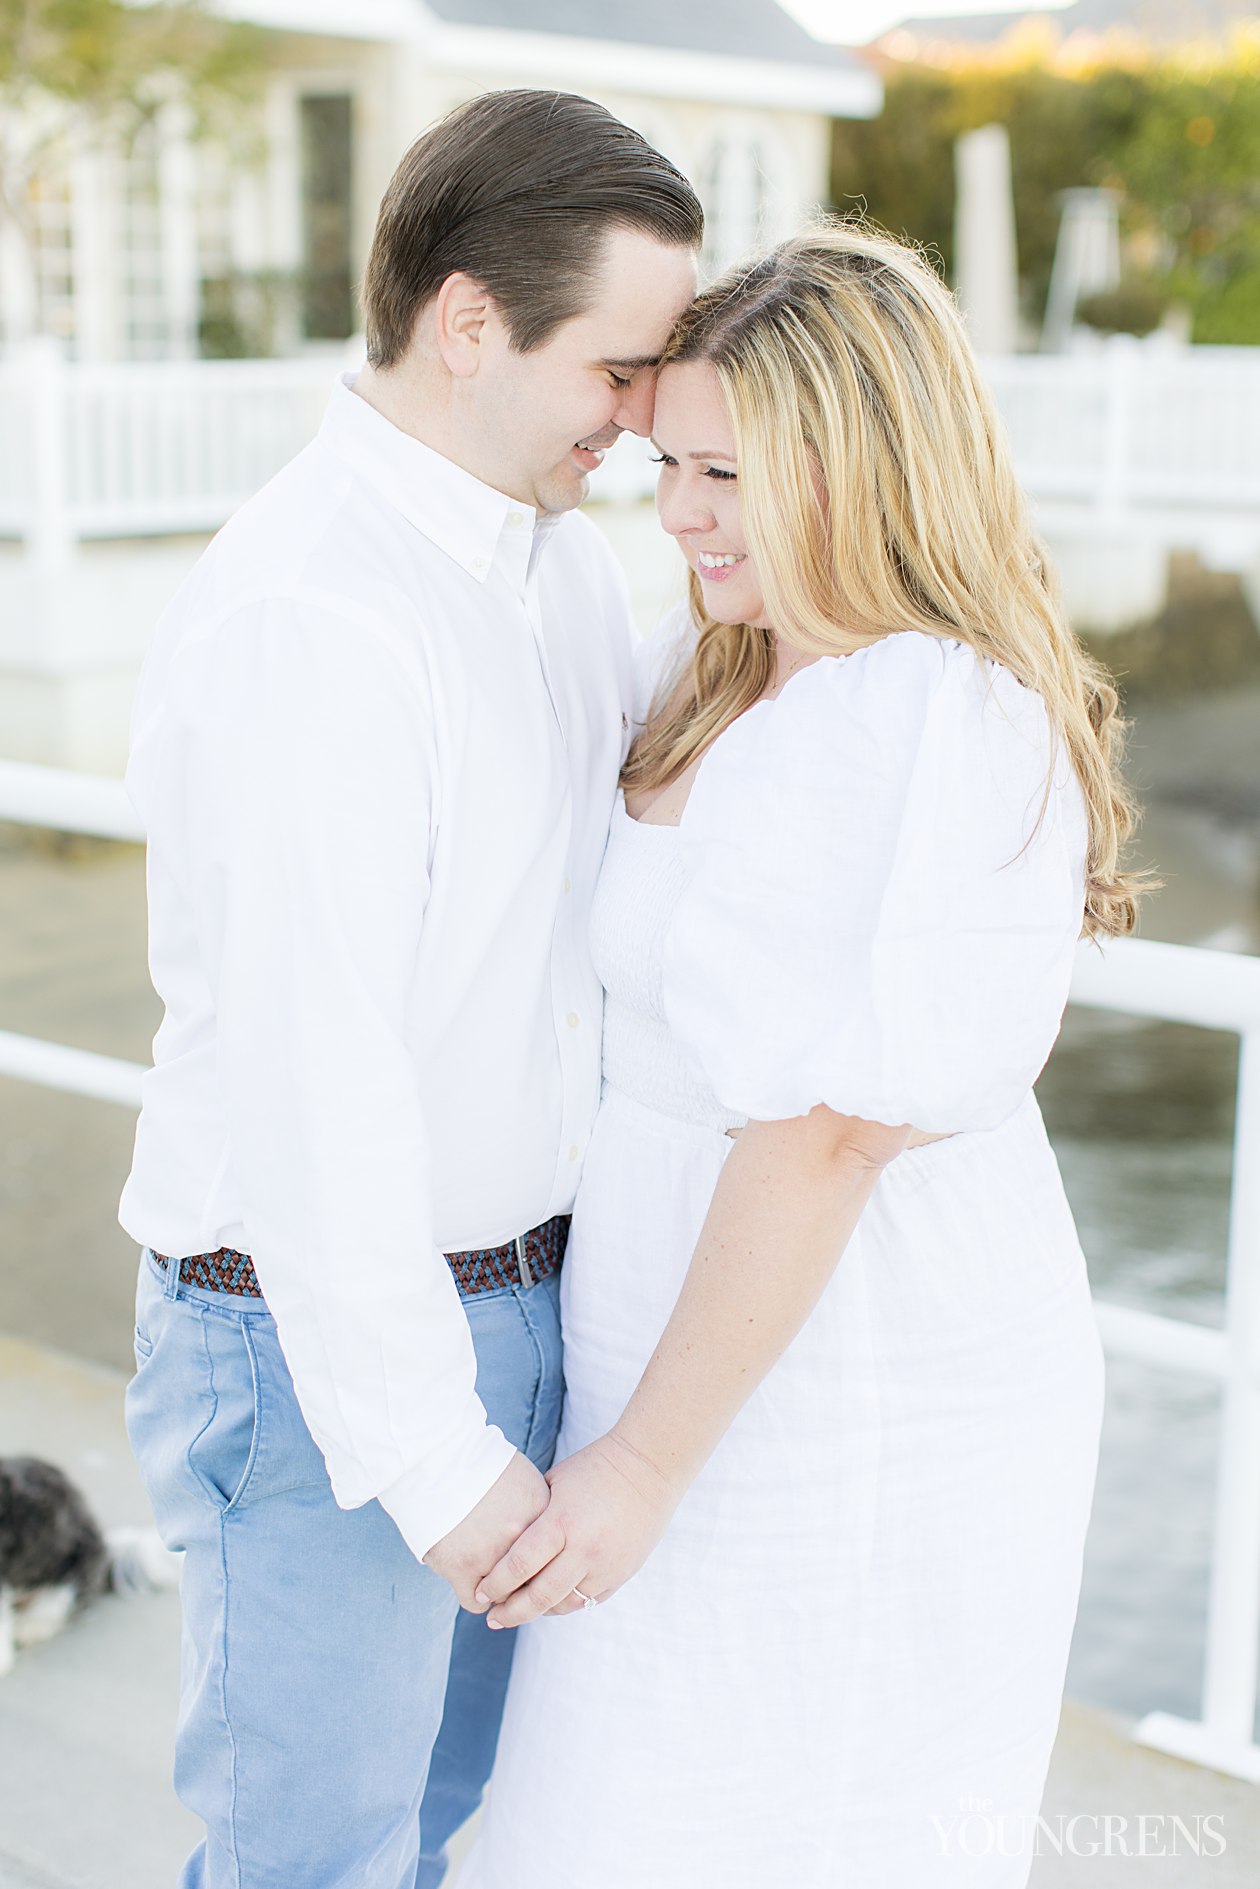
x=609, y=1507
x=786, y=1202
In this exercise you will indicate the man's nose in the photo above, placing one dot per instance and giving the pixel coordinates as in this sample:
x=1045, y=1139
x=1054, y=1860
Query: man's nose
x=634, y=413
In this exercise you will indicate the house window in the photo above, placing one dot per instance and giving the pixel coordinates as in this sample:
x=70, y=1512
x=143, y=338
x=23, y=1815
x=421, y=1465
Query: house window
x=212, y=197
x=146, y=321
x=327, y=219
x=52, y=243
x=734, y=190
x=223, y=327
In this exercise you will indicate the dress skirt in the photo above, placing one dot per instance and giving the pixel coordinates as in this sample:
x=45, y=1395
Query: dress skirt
x=842, y=1666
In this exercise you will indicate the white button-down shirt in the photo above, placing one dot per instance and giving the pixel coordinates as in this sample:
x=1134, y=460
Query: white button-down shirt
x=375, y=748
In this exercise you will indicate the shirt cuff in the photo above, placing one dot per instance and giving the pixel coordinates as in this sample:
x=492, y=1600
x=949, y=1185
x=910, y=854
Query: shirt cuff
x=427, y=1503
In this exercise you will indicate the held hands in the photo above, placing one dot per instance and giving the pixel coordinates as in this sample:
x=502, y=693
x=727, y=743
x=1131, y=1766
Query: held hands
x=609, y=1507
x=487, y=1531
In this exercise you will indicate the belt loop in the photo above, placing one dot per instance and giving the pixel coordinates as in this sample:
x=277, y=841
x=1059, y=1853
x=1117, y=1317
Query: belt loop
x=171, y=1288
x=527, y=1277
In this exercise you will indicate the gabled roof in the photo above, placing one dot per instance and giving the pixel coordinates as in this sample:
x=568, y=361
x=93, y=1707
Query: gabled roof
x=734, y=29
x=1162, y=21
x=728, y=52
x=735, y=52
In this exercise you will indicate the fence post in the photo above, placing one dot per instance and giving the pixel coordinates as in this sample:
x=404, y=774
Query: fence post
x=1224, y=1737
x=50, y=540
x=1120, y=356
x=1233, y=1627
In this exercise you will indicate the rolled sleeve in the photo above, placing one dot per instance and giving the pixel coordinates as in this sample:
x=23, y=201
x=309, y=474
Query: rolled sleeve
x=306, y=755
x=430, y=1501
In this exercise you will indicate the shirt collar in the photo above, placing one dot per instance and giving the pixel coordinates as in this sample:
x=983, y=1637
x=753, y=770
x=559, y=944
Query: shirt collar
x=472, y=523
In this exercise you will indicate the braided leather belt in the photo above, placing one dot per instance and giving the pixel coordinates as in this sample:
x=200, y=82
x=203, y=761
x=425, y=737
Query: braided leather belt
x=522, y=1262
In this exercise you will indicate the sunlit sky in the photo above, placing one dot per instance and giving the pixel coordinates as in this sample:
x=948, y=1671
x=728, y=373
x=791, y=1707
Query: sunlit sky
x=854, y=22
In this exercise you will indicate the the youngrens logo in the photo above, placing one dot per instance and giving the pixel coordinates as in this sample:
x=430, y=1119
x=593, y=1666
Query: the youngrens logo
x=978, y=1831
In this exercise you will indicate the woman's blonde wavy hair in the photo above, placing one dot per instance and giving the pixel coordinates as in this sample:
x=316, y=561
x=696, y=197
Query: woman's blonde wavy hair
x=877, y=494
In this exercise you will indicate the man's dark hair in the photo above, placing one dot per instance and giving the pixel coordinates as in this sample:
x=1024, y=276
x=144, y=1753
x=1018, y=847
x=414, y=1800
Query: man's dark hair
x=516, y=190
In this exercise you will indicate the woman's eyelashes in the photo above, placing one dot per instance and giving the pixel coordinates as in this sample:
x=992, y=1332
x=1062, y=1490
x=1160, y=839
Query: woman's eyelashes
x=710, y=472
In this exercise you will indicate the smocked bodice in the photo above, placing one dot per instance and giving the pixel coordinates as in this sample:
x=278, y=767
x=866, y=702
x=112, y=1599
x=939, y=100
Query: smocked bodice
x=643, y=877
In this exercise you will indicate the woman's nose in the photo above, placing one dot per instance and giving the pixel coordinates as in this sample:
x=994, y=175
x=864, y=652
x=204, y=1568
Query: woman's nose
x=680, y=510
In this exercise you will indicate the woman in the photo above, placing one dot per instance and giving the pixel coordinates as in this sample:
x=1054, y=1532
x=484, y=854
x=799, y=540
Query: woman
x=829, y=1343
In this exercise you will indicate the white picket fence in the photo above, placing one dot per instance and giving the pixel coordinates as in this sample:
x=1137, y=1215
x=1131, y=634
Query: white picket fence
x=123, y=449
x=1136, y=428
x=1157, y=435
x=1213, y=989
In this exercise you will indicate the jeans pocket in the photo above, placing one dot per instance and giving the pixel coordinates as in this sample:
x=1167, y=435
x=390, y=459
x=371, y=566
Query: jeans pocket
x=143, y=1342
x=224, y=1453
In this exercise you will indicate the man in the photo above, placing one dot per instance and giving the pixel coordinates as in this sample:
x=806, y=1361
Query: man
x=375, y=746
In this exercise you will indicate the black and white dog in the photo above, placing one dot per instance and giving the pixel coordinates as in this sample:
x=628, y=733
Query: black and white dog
x=54, y=1558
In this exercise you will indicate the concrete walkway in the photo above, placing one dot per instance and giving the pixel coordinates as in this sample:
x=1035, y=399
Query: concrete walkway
x=86, y=1721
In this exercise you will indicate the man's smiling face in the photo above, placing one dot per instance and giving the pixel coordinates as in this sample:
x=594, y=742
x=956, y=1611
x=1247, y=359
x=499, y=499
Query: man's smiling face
x=556, y=410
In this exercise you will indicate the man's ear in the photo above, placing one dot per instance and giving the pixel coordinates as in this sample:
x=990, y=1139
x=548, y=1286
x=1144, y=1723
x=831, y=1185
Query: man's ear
x=464, y=317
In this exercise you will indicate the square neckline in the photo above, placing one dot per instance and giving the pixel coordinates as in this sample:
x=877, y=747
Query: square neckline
x=663, y=826
x=763, y=702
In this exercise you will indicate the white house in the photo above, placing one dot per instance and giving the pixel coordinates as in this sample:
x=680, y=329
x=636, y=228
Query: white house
x=177, y=248
x=121, y=450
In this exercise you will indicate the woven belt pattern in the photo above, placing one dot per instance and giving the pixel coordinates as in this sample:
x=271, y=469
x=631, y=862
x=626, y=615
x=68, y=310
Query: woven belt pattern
x=487, y=1269
x=491, y=1267
x=223, y=1271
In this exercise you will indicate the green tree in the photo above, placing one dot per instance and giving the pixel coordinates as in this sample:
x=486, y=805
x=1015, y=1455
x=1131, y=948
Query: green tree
x=1179, y=140
x=82, y=72
x=899, y=167
x=902, y=164
x=1190, y=168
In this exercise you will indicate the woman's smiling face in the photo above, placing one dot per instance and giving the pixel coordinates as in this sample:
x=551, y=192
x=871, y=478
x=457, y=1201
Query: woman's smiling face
x=697, y=493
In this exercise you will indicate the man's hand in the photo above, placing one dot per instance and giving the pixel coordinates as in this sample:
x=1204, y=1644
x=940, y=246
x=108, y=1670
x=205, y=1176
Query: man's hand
x=609, y=1507
x=486, y=1533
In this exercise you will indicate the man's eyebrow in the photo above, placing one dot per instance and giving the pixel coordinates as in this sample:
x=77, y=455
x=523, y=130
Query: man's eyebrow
x=729, y=457
x=632, y=361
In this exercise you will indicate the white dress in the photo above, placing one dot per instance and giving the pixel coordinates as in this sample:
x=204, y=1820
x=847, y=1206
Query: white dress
x=842, y=1666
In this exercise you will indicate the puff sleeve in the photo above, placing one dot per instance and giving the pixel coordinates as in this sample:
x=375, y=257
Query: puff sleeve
x=876, y=917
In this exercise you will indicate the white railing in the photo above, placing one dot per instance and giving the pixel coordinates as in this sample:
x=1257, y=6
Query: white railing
x=1213, y=989
x=128, y=449
x=1217, y=990
x=1131, y=431
x=1135, y=428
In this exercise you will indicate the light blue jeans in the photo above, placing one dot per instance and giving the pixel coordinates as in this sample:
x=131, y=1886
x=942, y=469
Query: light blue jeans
x=338, y=1712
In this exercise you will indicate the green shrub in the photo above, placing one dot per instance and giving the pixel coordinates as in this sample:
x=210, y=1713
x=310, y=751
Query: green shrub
x=1177, y=137
x=1134, y=307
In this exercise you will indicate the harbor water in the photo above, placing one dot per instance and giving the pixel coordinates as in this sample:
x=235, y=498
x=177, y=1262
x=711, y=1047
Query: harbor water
x=1142, y=1119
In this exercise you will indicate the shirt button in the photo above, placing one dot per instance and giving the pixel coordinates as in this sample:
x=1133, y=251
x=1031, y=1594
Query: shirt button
x=480, y=567
x=573, y=1153
x=568, y=884
x=516, y=518
x=572, y=1019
